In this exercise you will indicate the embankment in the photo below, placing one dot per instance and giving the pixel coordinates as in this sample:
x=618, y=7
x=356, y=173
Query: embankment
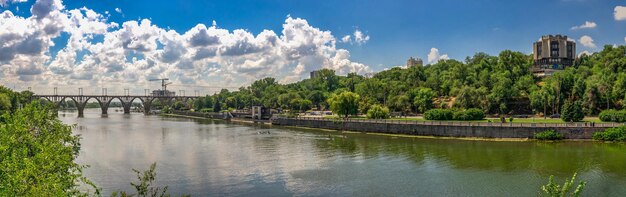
x=449, y=129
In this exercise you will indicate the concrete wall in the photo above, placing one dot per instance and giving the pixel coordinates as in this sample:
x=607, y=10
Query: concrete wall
x=444, y=130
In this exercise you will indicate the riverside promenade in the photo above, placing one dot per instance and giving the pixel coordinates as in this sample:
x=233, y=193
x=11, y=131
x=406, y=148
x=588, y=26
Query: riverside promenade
x=578, y=130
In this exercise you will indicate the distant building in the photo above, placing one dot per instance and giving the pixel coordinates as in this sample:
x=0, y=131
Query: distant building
x=163, y=93
x=315, y=73
x=414, y=62
x=553, y=53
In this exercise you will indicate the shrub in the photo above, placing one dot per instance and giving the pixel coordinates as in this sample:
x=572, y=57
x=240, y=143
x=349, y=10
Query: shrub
x=378, y=112
x=205, y=110
x=548, y=135
x=454, y=114
x=554, y=189
x=438, y=114
x=612, y=115
x=572, y=111
x=611, y=134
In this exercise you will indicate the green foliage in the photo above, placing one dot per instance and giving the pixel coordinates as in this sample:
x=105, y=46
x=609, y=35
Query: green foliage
x=144, y=185
x=439, y=114
x=423, y=100
x=5, y=103
x=344, y=104
x=555, y=190
x=548, y=135
x=166, y=110
x=616, y=134
x=378, y=112
x=217, y=106
x=178, y=105
x=37, y=155
x=204, y=110
x=572, y=112
x=469, y=114
x=454, y=114
x=612, y=115
x=501, y=84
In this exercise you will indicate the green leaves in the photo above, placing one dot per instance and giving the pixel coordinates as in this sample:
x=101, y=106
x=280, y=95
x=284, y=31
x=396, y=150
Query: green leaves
x=554, y=190
x=37, y=155
x=344, y=104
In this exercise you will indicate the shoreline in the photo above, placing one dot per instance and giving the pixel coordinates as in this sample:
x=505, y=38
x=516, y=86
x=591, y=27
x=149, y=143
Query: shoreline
x=248, y=122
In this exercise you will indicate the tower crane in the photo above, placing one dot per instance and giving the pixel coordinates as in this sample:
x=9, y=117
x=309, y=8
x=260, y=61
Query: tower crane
x=163, y=83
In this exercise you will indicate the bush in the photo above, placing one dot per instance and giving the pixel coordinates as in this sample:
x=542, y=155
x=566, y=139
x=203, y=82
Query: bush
x=572, y=111
x=378, y=112
x=438, y=114
x=611, y=134
x=454, y=114
x=205, y=110
x=612, y=115
x=548, y=135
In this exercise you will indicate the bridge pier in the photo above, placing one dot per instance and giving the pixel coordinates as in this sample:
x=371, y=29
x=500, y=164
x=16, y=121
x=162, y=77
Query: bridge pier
x=147, y=104
x=81, y=110
x=104, y=109
x=127, y=108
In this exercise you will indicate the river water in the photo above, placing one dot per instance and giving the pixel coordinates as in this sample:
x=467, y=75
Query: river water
x=216, y=158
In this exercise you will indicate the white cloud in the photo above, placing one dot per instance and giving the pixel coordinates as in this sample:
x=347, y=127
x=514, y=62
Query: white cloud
x=118, y=10
x=99, y=51
x=619, y=13
x=586, y=25
x=624, y=39
x=585, y=52
x=346, y=39
x=4, y=3
x=587, y=41
x=358, y=37
x=434, y=56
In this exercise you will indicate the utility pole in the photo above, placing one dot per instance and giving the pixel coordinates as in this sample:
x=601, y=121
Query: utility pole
x=55, y=91
x=80, y=91
x=126, y=91
x=104, y=91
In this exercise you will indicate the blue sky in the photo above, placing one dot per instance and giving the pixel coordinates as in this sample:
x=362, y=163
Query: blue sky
x=396, y=29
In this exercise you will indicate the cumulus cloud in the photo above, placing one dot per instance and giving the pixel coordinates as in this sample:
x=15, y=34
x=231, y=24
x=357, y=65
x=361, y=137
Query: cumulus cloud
x=358, y=37
x=434, y=56
x=586, y=25
x=587, y=41
x=98, y=51
x=619, y=13
x=4, y=3
x=118, y=10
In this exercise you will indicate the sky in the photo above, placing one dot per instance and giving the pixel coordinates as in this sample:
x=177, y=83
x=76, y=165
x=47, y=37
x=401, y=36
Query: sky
x=203, y=46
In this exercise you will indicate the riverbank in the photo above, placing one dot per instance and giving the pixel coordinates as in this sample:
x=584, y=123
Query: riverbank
x=472, y=130
x=442, y=130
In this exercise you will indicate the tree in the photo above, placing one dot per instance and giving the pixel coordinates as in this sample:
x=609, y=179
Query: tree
x=37, y=155
x=400, y=103
x=5, y=103
x=378, y=112
x=572, y=111
x=344, y=104
x=217, y=106
x=423, y=101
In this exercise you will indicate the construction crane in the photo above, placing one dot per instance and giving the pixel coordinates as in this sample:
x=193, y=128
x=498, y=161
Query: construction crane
x=163, y=83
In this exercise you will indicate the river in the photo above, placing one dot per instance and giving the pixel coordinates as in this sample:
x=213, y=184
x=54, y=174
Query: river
x=216, y=158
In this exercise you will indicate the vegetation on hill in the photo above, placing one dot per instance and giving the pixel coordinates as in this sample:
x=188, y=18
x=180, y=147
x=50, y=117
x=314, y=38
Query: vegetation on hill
x=501, y=84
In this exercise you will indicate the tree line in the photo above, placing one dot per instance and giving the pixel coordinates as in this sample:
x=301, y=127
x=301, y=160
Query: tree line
x=502, y=84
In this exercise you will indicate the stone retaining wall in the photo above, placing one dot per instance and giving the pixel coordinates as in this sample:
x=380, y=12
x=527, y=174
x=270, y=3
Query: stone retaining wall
x=443, y=130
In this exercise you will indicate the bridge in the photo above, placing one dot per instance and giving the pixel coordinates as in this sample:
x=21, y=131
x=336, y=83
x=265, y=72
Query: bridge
x=105, y=100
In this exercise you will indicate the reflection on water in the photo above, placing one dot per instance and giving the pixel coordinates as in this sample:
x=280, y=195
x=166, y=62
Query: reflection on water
x=213, y=158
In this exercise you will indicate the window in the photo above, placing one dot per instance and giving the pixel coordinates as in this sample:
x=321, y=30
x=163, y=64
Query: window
x=554, y=48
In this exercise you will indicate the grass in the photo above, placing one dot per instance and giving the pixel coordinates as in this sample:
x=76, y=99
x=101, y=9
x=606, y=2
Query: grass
x=515, y=120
